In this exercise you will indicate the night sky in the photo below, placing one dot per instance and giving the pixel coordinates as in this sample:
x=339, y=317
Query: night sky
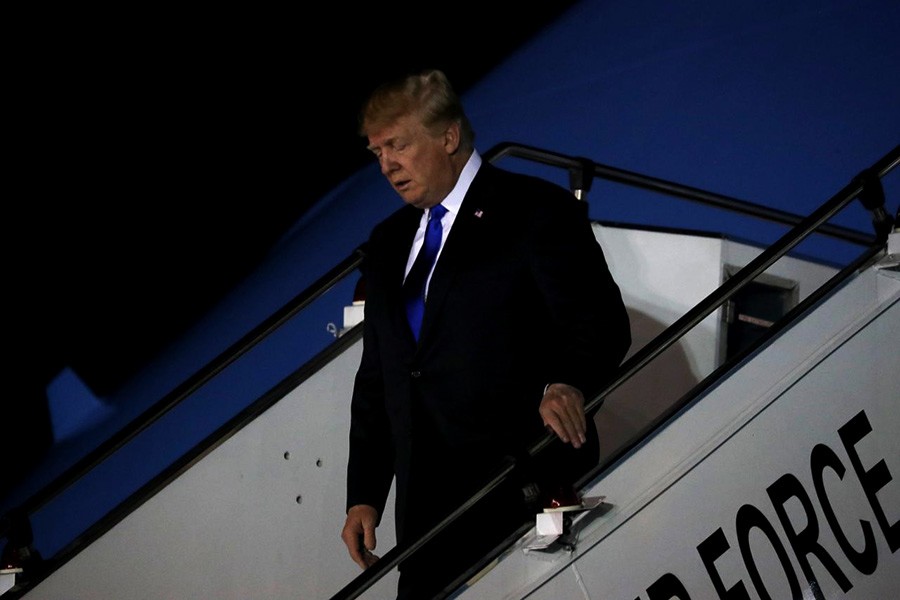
x=157, y=156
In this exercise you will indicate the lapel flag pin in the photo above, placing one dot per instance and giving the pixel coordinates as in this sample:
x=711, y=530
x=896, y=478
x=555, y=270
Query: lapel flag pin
x=478, y=213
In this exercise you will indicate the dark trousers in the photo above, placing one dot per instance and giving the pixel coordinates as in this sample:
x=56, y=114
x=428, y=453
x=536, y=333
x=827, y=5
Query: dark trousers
x=469, y=542
x=461, y=548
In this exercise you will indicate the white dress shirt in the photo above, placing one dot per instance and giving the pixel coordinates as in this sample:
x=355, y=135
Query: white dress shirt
x=452, y=203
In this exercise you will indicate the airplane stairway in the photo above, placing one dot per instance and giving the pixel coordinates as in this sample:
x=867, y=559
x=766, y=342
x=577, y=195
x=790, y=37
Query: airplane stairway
x=771, y=466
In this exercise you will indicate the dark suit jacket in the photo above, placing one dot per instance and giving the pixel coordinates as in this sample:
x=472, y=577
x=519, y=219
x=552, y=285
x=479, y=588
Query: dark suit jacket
x=520, y=297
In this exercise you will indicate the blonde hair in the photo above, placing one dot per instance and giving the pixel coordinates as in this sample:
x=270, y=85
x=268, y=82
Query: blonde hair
x=428, y=95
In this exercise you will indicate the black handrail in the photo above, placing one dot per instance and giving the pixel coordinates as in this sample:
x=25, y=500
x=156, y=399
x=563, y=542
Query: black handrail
x=790, y=317
x=579, y=168
x=238, y=349
x=576, y=167
x=656, y=347
x=744, y=276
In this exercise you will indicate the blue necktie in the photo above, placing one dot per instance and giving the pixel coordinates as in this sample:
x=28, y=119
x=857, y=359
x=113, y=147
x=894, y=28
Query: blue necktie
x=414, y=286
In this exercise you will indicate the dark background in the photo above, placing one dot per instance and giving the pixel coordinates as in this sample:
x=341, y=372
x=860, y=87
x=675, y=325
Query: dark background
x=163, y=153
x=156, y=155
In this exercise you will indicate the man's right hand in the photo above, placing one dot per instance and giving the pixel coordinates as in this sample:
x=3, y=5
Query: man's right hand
x=359, y=534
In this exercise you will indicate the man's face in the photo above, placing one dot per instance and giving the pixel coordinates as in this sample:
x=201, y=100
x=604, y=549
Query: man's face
x=417, y=163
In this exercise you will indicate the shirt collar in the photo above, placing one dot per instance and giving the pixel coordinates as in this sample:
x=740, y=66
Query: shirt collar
x=454, y=199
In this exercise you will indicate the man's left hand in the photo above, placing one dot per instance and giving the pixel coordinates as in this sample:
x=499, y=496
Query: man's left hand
x=562, y=410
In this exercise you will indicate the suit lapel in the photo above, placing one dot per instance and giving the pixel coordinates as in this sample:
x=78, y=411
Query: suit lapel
x=468, y=228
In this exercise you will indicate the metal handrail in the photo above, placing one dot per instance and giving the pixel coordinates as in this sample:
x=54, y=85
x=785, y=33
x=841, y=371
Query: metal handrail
x=579, y=167
x=579, y=170
x=168, y=402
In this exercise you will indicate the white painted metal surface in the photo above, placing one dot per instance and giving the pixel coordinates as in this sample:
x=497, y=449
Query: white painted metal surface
x=259, y=517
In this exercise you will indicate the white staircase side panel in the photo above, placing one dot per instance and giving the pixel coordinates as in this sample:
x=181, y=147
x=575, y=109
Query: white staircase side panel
x=260, y=516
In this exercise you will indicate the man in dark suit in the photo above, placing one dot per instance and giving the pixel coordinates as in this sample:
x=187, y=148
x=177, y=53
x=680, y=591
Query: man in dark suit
x=523, y=322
